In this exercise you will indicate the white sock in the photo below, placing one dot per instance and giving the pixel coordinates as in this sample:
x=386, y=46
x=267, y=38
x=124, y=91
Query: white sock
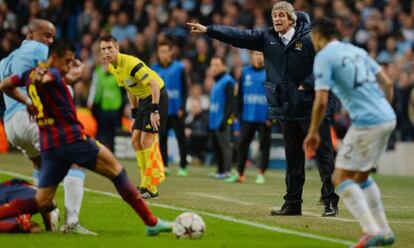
x=73, y=184
x=35, y=177
x=373, y=196
x=355, y=202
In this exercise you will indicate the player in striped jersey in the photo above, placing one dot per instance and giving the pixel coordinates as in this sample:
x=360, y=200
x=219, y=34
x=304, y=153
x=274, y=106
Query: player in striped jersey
x=23, y=133
x=63, y=139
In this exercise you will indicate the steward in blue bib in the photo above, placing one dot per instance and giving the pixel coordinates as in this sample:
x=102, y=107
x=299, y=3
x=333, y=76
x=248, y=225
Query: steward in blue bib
x=253, y=104
x=175, y=83
x=220, y=109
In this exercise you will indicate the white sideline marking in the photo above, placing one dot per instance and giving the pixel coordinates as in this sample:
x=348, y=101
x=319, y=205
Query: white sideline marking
x=221, y=198
x=305, y=213
x=218, y=216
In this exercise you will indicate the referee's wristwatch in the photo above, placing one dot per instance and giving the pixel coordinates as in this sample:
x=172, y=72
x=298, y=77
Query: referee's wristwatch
x=155, y=108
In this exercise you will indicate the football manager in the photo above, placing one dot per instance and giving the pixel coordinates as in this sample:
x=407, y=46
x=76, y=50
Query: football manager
x=289, y=55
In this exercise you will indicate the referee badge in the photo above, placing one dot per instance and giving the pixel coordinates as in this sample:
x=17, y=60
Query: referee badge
x=299, y=46
x=129, y=82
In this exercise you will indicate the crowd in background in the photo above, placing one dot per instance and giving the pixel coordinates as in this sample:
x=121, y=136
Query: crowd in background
x=385, y=28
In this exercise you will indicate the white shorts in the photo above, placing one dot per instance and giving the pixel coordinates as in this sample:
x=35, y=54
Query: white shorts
x=23, y=134
x=362, y=147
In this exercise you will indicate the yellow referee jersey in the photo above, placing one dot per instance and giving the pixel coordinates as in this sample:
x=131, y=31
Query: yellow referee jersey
x=134, y=75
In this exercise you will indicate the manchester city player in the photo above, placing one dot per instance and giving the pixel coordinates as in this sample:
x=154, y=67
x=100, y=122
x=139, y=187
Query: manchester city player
x=365, y=92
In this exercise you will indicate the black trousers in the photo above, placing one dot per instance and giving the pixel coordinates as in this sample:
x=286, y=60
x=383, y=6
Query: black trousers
x=222, y=149
x=248, y=130
x=294, y=132
x=177, y=124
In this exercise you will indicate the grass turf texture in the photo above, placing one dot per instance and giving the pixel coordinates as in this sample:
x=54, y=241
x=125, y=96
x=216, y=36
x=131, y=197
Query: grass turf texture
x=118, y=226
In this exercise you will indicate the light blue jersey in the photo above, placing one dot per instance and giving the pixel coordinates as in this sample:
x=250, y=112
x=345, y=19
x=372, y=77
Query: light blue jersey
x=20, y=60
x=351, y=74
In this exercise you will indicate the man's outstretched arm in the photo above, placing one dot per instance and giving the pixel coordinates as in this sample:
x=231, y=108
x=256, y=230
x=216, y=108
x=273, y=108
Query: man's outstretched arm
x=243, y=38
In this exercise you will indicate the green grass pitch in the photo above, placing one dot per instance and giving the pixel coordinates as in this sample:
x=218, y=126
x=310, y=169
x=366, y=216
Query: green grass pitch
x=236, y=215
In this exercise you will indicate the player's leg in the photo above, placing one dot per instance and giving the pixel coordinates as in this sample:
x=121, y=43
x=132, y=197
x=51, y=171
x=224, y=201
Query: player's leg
x=24, y=134
x=143, y=138
x=355, y=201
x=265, y=133
x=139, y=154
x=37, y=163
x=354, y=160
x=371, y=190
x=108, y=166
x=73, y=185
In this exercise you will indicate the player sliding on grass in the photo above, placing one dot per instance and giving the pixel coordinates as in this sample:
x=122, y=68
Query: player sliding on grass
x=19, y=189
x=354, y=76
x=149, y=108
x=63, y=139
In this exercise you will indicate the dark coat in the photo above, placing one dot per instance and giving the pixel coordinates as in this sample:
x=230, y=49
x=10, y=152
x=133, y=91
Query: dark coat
x=287, y=67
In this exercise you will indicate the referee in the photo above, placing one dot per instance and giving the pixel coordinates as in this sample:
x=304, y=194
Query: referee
x=288, y=52
x=149, y=105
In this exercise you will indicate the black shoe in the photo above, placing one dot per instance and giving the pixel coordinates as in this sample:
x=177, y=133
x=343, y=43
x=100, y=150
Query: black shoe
x=331, y=210
x=287, y=210
x=147, y=194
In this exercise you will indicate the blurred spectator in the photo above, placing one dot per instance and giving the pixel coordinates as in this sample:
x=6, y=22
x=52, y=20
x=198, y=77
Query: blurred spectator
x=196, y=92
x=200, y=58
x=85, y=17
x=139, y=15
x=58, y=12
x=105, y=99
x=196, y=130
x=411, y=107
x=403, y=93
x=124, y=29
x=389, y=54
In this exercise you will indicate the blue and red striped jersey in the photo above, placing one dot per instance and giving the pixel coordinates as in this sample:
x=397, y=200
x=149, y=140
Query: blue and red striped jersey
x=56, y=117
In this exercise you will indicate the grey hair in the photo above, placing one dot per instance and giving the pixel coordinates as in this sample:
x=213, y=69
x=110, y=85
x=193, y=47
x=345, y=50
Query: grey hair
x=290, y=10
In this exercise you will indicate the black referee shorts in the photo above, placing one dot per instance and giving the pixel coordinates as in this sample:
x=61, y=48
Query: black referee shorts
x=142, y=119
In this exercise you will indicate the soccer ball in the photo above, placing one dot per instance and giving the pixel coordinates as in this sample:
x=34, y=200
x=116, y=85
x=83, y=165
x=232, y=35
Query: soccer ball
x=188, y=225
